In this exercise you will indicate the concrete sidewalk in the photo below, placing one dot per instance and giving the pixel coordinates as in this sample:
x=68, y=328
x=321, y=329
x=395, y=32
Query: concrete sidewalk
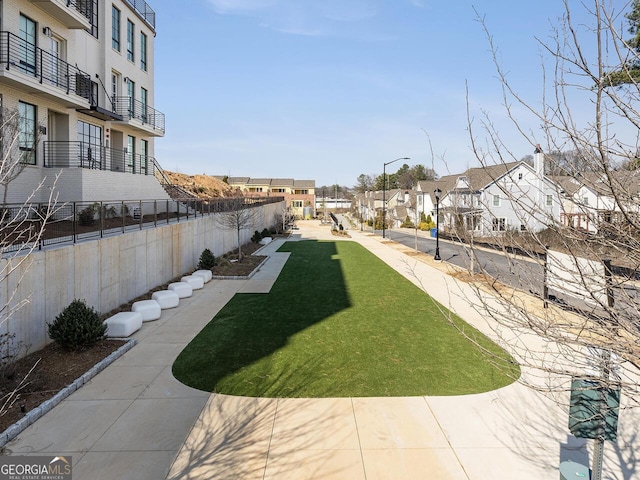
x=134, y=420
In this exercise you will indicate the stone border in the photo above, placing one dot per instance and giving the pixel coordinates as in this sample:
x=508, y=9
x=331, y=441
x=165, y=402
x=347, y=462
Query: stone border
x=14, y=430
x=237, y=277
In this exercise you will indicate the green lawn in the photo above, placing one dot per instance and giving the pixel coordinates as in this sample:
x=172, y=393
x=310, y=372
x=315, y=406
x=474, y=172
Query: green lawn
x=338, y=323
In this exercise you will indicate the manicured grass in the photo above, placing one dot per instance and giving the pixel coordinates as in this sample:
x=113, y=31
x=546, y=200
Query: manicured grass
x=337, y=323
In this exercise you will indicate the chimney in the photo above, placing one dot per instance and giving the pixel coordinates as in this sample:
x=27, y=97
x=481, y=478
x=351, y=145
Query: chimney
x=538, y=161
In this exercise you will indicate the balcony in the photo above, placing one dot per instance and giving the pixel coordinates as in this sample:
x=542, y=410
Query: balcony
x=66, y=154
x=34, y=70
x=140, y=115
x=144, y=11
x=72, y=13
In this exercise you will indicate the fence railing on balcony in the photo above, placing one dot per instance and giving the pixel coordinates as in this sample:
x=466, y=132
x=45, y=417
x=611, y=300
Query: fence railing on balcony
x=84, y=7
x=65, y=154
x=130, y=108
x=19, y=55
x=144, y=10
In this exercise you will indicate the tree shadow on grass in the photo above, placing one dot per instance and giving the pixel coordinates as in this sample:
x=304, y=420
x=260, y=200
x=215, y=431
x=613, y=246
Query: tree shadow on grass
x=253, y=327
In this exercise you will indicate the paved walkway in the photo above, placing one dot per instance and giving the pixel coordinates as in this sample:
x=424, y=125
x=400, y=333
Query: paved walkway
x=135, y=421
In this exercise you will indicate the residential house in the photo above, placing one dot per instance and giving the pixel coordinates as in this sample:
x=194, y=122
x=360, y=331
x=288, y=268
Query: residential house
x=494, y=199
x=592, y=200
x=79, y=75
x=299, y=195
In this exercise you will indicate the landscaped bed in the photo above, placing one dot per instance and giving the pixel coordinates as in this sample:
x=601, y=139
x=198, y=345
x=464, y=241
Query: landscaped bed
x=339, y=323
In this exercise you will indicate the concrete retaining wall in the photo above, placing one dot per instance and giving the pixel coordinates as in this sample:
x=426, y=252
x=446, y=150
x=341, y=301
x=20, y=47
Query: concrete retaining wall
x=109, y=272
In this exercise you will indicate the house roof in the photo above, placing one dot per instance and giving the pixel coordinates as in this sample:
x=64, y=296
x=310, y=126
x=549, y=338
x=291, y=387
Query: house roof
x=568, y=184
x=259, y=181
x=481, y=177
x=445, y=184
x=625, y=182
x=282, y=182
x=304, y=183
x=239, y=180
x=401, y=212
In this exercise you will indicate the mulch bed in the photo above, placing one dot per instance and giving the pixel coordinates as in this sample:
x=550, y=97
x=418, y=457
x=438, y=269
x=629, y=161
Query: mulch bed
x=56, y=368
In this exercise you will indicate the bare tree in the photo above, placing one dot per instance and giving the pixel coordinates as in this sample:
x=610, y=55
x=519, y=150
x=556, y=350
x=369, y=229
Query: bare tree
x=588, y=253
x=240, y=215
x=22, y=225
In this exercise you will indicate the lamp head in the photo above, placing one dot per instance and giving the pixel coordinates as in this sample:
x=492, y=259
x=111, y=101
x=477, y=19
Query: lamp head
x=437, y=192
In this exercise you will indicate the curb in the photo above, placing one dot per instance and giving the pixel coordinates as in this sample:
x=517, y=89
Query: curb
x=236, y=277
x=46, y=406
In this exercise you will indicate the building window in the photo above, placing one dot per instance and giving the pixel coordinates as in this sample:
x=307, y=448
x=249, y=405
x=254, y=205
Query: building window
x=523, y=227
x=115, y=88
x=27, y=132
x=278, y=190
x=131, y=153
x=520, y=176
x=498, y=225
x=585, y=200
x=131, y=93
x=302, y=192
x=143, y=51
x=90, y=137
x=496, y=200
x=144, y=93
x=27, y=47
x=115, y=28
x=296, y=203
x=144, y=156
x=549, y=200
x=130, y=40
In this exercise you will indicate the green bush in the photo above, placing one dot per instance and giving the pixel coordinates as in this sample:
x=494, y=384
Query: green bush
x=256, y=237
x=407, y=223
x=86, y=215
x=265, y=233
x=207, y=260
x=77, y=327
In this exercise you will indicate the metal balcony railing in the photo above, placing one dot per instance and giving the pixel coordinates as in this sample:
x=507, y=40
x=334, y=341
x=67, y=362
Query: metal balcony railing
x=83, y=155
x=84, y=7
x=130, y=108
x=19, y=55
x=144, y=10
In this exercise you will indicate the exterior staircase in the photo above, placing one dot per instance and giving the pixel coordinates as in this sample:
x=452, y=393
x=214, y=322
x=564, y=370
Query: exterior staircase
x=174, y=191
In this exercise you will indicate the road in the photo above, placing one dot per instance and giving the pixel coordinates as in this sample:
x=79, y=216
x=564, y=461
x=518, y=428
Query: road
x=524, y=274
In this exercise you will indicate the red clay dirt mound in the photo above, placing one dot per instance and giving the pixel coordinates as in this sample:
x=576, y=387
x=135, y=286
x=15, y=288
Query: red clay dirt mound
x=204, y=186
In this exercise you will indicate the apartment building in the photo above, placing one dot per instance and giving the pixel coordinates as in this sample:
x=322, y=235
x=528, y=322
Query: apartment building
x=299, y=195
x=77, y=80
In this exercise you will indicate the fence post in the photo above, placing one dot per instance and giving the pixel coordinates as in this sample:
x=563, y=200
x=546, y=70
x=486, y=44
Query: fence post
x=545, y=285
x=75, y=223
x=608, y=282
x=102, y=215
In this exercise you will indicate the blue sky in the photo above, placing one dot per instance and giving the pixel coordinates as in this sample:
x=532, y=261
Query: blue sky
x=329, y=89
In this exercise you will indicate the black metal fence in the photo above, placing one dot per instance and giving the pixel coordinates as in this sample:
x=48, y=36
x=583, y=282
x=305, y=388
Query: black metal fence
x=131, y=108
x=20, y=55
x=65, y=154
x=74, y=222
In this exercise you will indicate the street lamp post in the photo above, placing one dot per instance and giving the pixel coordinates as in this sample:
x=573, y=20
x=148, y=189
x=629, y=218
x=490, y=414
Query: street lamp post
x=437, y=192
x=384, y=187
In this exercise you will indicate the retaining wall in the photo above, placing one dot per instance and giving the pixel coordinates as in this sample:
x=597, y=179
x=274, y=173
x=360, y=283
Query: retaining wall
x=108, y=272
